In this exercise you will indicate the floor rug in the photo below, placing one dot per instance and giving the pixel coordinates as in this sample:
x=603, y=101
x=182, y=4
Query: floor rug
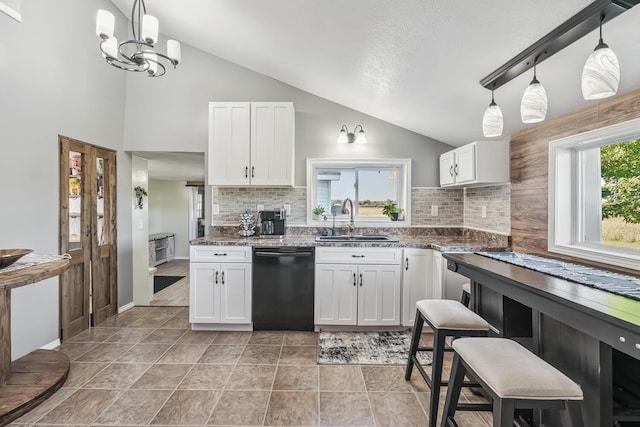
x=366, y=348
x=161, y=282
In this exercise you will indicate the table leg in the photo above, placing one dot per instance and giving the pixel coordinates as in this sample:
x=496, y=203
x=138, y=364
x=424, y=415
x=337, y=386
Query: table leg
x=5, y=335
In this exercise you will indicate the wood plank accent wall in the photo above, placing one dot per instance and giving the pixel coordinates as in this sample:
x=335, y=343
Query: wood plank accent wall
x=530, y=167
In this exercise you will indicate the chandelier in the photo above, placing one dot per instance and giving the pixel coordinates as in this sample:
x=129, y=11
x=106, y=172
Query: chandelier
x=138, y=54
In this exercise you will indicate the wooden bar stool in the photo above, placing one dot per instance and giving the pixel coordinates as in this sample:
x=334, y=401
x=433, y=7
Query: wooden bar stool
x=466, y=294
x=514, y=377
x=447, y=318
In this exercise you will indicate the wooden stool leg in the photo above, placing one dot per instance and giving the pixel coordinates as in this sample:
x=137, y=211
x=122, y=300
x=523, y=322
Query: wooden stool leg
x=436, y=376
x=503, y=412
x=458, y=372
x=415, y=340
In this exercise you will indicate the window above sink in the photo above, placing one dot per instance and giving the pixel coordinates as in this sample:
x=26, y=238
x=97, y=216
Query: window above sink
x=368, y=183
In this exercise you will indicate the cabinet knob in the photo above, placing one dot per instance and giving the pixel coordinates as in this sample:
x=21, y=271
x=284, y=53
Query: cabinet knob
x=622, y=339
x=357, y=256
x=217, y=254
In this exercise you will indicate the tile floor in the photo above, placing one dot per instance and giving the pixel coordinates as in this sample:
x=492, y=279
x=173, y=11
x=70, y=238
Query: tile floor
x=146, y=367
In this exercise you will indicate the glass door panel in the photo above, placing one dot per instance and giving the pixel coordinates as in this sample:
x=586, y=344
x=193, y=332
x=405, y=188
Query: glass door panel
x=100, y=220
x=75, y=200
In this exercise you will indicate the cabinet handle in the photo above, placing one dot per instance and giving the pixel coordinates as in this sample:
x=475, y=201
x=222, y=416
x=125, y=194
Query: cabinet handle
x=217, y=254
x=354, y=279
x=451, y=170
x=223, y=277
x=357, y=256
x=456, y=169
x=406, y=266
x=217, y=277
x=252, y=170
x=361, y=279
x=246, y=171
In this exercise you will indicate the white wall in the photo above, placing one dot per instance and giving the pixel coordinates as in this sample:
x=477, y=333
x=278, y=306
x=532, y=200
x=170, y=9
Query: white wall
x=53, y=81
x=170, y=114
x=140, y=234
x=169, y=212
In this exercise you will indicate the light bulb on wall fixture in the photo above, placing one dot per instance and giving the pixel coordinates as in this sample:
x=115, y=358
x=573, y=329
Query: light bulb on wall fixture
x=492, y=120
x=533, y=108
x=601, y=72
x=350, y=137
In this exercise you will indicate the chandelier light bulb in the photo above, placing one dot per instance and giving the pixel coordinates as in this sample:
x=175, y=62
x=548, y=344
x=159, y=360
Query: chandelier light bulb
x=105, y=23
x=110, y=48
x=342, y=136
x=150, y=29
x=361, y=138
x=533, y=108
x=174, y=50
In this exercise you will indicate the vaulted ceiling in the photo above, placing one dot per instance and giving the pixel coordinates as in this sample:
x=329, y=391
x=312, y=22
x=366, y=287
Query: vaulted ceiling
x=413, y=63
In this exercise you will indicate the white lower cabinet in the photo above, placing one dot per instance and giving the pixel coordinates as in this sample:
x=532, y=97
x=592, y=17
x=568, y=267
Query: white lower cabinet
x=364, y=293
x=220, y=292
x=417, y=281
x=446, y=283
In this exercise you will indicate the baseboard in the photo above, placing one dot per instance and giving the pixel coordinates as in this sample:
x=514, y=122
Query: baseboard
x=181, y=257
x=51, y=345
x=125, y=307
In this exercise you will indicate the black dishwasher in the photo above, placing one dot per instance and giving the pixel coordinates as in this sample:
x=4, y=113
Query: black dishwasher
x=283, y=288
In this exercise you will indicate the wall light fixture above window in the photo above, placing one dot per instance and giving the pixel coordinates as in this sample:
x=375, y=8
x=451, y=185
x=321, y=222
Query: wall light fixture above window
x=350, y=137
x=138, y=54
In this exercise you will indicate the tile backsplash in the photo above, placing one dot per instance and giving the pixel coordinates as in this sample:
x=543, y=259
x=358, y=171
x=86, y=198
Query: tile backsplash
x=456, y=207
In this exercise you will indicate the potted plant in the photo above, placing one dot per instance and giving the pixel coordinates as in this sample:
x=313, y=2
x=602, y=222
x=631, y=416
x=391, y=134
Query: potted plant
x=392, y=210
x=317, y=212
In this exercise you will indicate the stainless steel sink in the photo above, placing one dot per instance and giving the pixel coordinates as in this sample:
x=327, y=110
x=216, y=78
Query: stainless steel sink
x=357, y=238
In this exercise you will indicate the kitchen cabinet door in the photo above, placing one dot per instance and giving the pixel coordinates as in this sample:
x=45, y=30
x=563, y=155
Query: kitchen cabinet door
x=336, y=294
x=465, y=168
x=272, y=143
x=378, y=295
x=204, y=293
x=235, y=293
x=447, y=165
x=229, y=159
x=417, y=281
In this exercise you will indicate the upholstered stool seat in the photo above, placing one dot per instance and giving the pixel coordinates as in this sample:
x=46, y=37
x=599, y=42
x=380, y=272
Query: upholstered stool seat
x=447, y=319
x=466, y=294
x=513, y=377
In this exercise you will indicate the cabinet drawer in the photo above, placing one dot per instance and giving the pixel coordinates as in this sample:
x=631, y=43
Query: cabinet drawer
x=206, y=253
x=355, y=255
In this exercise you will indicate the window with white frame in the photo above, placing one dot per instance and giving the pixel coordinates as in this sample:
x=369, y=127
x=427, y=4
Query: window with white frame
x=594, y=195
x=369, y=184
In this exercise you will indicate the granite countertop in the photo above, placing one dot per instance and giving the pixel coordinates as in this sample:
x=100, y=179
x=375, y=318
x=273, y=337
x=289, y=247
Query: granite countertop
x=440, y=243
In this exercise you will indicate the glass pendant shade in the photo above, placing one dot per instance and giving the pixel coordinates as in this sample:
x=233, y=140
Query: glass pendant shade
x=601, y=73
x=492, y=121
x=342, y=137
x=361, y=138
x=533, y=108
x=105, y=23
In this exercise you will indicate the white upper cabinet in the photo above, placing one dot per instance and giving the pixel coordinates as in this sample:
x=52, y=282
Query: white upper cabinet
x=251, y=144
x=476, y=164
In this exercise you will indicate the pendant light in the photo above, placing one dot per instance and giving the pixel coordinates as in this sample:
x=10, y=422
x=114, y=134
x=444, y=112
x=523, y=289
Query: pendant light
x=492, y=120
x=533, y=108
x=601, y=72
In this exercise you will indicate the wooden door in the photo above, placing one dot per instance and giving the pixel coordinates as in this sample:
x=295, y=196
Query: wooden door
x=90, y=242
x=103, y=231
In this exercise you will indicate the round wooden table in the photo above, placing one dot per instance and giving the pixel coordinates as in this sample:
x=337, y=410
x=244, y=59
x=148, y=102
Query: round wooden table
x=28, y=381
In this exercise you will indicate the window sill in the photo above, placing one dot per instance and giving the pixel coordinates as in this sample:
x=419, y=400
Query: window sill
x=599, y=253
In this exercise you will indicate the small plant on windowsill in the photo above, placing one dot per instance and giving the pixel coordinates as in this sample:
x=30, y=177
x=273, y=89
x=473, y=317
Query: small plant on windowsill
x=392, y=210
x=317, y=212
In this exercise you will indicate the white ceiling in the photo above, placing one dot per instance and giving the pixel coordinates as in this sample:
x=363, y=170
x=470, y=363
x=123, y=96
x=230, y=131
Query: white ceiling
x=414, y=63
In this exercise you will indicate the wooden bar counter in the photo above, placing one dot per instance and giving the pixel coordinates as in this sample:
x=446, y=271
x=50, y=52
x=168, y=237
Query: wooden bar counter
x=33, y=378
x=591, y=335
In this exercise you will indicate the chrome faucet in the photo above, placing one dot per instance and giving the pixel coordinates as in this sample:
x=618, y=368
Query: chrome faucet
x=352, y=225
